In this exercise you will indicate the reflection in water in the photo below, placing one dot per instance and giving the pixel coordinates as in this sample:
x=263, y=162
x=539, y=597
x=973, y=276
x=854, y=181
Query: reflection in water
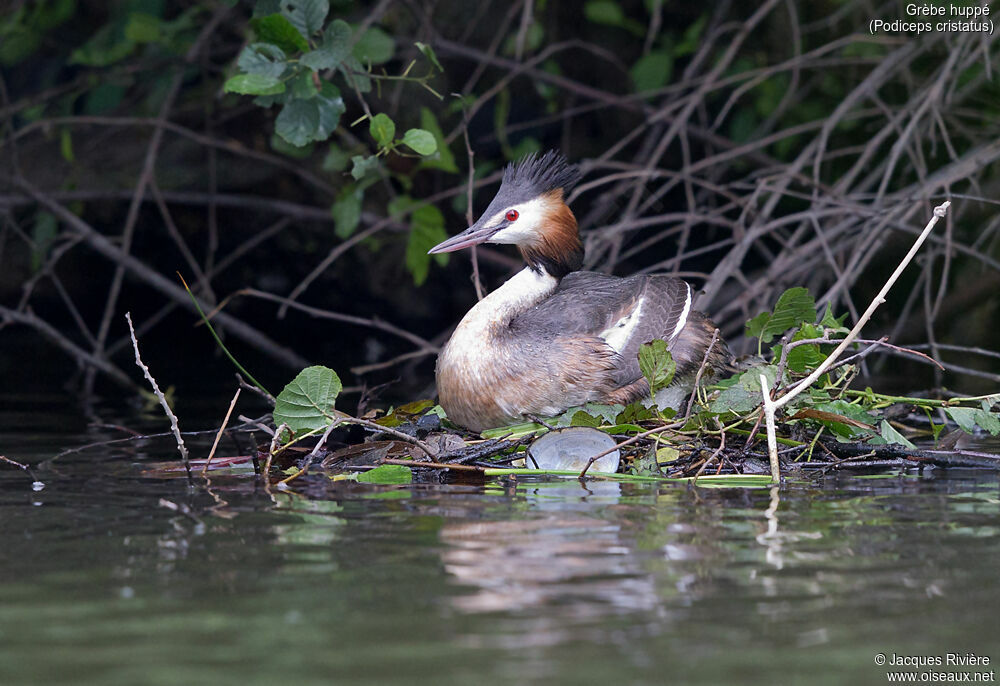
x=522, y=581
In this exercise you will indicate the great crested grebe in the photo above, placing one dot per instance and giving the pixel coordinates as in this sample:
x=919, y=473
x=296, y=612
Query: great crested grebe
x=552, y=337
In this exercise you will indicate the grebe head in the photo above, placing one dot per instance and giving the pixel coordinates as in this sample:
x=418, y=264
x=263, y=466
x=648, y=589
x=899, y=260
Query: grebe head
x=530, y=211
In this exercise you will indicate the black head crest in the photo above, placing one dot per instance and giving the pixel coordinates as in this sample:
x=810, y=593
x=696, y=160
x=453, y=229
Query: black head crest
x=534, y=174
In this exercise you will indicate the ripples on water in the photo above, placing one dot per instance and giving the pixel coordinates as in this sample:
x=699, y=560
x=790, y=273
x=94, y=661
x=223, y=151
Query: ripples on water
x=504, y=582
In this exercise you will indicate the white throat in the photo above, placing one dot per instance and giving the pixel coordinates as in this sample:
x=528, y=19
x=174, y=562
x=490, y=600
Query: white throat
x=520, y=292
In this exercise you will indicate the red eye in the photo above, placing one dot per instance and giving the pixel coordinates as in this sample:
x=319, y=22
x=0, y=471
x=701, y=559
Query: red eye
x=512, y=215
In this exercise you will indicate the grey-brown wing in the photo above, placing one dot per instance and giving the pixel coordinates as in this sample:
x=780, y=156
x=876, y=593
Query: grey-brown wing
x=625, y=312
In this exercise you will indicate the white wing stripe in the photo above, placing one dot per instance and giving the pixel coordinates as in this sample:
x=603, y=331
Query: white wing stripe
x=684, y=315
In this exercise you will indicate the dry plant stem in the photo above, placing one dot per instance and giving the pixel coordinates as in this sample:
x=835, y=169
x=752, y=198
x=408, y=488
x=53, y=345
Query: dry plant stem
x=701, y=370
x=218, y=436
x=271, y=450
x=428, y=451
x=770, y=406
x=772, y=440
x=159, y=395
x=628, y=441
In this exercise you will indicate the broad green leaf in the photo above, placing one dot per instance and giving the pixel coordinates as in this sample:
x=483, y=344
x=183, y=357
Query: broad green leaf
x=965, y=417
x=144, y=28
x=794, y=307
x=306, y=403
x=347, y=211
x=298, y=122
x=756, y=325
x=387, y=474
x=805, y=358
x=988, y=421
x=652, y=71
x=399, y=206
x=363, y=166
x=745, y=394
x=834, y=323
x=264, y=59
x=429, y=53
x=581, y=418
x=442, y=159
x=336, y=159
x=374, y=47
x=892, y=436
x=382, y=129
x=354, y=73
x=296, y=152
x=307, y=16
x=278, y=30
x=334, y=48
x=692, y=36
x=302, y=86
x=107, y=46
x=656, y=364
x=331, y=106
x=426, y=231
x=607, y=12
x=254, y=84
x=262, y=8
x=420, y=141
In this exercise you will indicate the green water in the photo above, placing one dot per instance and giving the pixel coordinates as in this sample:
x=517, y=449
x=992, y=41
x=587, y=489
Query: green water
x=504, y=582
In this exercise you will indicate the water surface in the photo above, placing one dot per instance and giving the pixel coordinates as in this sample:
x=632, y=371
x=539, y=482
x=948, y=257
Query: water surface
x=508, y=581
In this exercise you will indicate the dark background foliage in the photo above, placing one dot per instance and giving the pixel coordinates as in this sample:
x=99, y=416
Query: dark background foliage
x=749, y=147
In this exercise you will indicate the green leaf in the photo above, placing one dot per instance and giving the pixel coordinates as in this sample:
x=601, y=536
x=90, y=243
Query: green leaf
x=355, y=75
x=307, y=16
x=892, y=436
x=745, y=394
x=331, y=106
x=254, y=84
x=399, y=206
x=382, y=129
x=144, y=28
x=264, y=59
x=963, y=416
x=306, y=403
x=443, y=159
x=334, y=48
x=66, y=145
x=805, y=357
x=107, y=46
x=374, y=47
x=988, y=421
x=429, y=53
x=298, y=122
x=302, y=86
x=692, y=36
x=363, y=166
x=43, y=234
x=426, y=231
x=607, y=12
x=387, y=474
x=279, y=31
x=656, y=364
x=305, y=121
x=581, y=418
x=347, y=211
x=336, y=160
x=836, y=324
x=755, y=327
x=421, y=141
x=652, y=71
x=794, y=306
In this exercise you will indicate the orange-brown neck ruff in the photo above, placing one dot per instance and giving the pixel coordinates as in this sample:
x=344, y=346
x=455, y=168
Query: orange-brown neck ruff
x=557, y=247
